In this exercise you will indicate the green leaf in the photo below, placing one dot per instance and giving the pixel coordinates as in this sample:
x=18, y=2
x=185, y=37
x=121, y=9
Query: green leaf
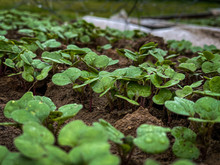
x=9, y=63
x=156, y=80
x=90, y=58
x=70, y=34
x=151, y=162
x=3, y=153
x=28, y=73
x=55, y=57
x=106, y=46
x=210, y=67
x=35, y=111
x=103, y=84
x=181, y=106
x=185, y=143
x=33, y=141
x=187, y=90
x=77, y=133
x=44, y=73
x=135, y=89
x=133, y=72
x=131, y=55
x=208, y=108
x=27, y=57
x=47, y=101
x=196, y=84
x=69, y=111
x=214, y=84
x=207, y=93
x=28, y=32
x=23, y=116
x=67, y=77
x=106, y=160
x=163, y=95
x=55, y=156
x=127, y=99
x=101, y=61
x=85, y=83
x=188, y=67
x=20, y=104
x=144, y=48
x=183, y=162
x=89, y=152
x=208, y=55
x=113, y=134
x=52, y=43
x=174, y=75
x=152, y=139
x=15, y=158
x=85, y=39
x=169, y=83
x=158, y=54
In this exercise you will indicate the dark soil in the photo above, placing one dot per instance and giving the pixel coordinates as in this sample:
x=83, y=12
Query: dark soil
x=127, y=118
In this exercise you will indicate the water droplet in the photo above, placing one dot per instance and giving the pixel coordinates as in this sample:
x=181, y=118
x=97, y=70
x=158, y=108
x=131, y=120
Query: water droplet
x=13, y=101
x=148, y=140
x=162, y=141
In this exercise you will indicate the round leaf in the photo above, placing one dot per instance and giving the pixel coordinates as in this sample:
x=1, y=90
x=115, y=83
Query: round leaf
x=214, y=84
x=135, y=89
x=163, y=95
x=188, y=66
x=76, y=133
x=113, y=134
x=185, y=143
x=69, y=110
x=208, y=108
x=152, y=139
x=66, y=77
x=181, y=106
x=32, y=142
x=187, y=90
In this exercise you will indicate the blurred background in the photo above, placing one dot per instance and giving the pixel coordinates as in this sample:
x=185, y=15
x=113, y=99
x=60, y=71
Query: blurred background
x=193, y=11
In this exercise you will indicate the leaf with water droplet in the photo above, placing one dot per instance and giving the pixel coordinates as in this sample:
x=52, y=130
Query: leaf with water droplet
x=152, y=139
x=185, y=143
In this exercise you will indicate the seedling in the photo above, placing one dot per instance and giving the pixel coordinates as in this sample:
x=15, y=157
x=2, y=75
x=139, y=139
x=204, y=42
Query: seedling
x=208, y=110
x=150, y=139
x=38, y=109
x=37, y=146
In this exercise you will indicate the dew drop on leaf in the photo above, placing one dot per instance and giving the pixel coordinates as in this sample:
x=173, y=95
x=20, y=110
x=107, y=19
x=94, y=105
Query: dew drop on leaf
x=148, y=140
x=162, y=141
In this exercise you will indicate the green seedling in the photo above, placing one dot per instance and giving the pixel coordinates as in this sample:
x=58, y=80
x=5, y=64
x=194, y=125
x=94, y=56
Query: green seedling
x=185, y=143
x=210, y=87
x=37, y=145
x=184, y=92
x=208, y=110
x=93, y=60
x=38, y=109
x=187, y=90
x=190, y=67
x=145, y=50
x=150, y=139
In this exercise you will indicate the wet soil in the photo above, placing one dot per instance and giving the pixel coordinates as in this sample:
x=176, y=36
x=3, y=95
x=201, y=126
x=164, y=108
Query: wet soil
x=126, y=118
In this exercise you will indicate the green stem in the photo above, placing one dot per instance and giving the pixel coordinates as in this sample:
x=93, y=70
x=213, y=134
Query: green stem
x=110, y=102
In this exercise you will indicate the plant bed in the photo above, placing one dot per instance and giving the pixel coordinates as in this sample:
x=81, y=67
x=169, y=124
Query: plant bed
x=123, y=97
